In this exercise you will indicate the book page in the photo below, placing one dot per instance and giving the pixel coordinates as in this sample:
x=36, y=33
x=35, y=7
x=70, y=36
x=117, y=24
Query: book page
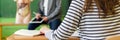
x=26, y=32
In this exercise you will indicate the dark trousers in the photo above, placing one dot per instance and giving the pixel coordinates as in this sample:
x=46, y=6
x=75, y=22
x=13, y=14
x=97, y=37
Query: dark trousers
x=53, y=25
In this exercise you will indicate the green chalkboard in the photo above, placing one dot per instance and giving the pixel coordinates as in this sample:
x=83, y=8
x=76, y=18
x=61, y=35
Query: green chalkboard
x=8, y=7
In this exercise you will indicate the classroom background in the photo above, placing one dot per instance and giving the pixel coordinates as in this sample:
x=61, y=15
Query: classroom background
x=8, y=13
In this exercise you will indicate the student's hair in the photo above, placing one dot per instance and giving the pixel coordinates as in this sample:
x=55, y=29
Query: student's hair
x=107, y=6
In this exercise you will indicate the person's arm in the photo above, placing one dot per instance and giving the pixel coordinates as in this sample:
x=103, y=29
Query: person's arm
x=57, y=10
x=69, y=24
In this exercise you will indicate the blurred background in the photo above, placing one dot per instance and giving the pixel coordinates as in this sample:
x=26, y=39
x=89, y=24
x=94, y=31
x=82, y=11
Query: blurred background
x=8, y=13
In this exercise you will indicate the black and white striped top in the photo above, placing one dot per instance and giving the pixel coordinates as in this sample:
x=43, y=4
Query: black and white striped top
x=91, y=27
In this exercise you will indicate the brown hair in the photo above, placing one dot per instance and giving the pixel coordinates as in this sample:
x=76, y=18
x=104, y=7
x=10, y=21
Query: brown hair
x=107, y=6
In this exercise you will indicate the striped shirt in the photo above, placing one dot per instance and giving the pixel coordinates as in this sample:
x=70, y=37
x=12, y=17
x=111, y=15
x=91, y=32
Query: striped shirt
x=91, y=27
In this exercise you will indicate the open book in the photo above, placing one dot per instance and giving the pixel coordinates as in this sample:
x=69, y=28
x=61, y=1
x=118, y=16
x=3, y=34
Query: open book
x=25, y=32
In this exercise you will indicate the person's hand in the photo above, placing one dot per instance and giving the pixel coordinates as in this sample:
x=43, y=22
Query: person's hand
x=43, y=30
x=45, y=18
x=37, y=15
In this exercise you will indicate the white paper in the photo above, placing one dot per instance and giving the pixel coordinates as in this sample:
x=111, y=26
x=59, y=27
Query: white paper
x=26, y=32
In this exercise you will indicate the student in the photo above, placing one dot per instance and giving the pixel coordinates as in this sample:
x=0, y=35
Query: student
x=96, y=20
x=23, y=14
x=49, y=11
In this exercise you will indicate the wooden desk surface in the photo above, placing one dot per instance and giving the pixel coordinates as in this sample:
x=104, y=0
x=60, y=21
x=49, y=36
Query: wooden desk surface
x=0, y=32
x=13, y=37
x=42, y=37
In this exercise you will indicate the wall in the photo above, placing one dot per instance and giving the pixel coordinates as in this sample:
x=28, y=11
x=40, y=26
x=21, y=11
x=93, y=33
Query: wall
x=8, y=7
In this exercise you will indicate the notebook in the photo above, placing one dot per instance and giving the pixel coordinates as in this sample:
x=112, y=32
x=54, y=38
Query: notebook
x=34, y=20
x=25, y=32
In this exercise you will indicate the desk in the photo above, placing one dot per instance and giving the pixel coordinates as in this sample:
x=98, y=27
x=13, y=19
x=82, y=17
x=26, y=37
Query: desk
x=42, y=37
x=0, y=32
x=8, y=24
